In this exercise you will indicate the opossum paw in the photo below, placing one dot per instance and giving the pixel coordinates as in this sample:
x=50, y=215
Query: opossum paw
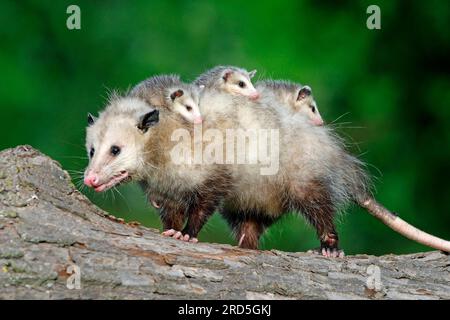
x=169, y=233
x=179, y=236
x=332, y=253
x=193, y=240
x=188, y=238
x=328, y=252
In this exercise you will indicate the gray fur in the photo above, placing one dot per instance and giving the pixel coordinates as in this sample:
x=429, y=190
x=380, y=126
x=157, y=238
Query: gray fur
x=154, y=89
x=317, y=175
x=211, y=77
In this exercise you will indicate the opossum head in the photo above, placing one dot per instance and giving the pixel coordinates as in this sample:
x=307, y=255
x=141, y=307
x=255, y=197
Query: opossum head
x=184, y=100
x=115, y=143
x=229, y=79
x=305, y=104
x=238, y=82
x=297, y=97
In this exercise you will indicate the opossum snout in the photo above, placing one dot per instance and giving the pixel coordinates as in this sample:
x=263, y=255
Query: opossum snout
x=318, y=122
x=91, y=179
x=254, y=96
x=198, y=120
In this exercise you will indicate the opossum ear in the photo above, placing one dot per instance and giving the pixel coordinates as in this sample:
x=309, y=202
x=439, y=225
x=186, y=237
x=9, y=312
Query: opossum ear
x=252, y=73
x=148, y=120
x=176, y=94
x=226, y=75
x=91, y=119
x=304, y=92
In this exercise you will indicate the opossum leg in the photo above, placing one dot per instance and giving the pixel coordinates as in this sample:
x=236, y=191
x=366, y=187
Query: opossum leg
x=248, y=233
x=247, y=226
x=316, y=205
x=326, y=232
x=197, y=218
x=172, y=218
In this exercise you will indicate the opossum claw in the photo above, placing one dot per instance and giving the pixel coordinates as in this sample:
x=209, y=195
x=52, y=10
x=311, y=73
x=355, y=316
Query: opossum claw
x=155, y=204
x=177, y=235
x=241, y=239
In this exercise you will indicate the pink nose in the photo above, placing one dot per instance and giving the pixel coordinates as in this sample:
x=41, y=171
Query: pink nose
x=255, y=96
x=198, y=120
x=91, y=179
x=317, y=122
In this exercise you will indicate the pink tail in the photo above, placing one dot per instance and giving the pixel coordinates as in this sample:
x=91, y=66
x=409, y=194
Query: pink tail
x=403, y=227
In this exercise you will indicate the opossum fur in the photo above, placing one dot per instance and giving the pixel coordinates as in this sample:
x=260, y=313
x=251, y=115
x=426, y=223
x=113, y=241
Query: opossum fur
x=169, y=92
x=287, y=93
x=316, y=175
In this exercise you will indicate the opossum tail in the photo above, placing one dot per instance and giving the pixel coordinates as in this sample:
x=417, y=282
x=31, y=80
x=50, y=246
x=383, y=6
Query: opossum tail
x=403, y=227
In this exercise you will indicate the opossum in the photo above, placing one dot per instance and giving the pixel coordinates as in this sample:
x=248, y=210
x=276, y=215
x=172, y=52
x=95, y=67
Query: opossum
x=132, y=140
x=168, y=91
x=229, y=79
x=316, y=176
x=299, y=98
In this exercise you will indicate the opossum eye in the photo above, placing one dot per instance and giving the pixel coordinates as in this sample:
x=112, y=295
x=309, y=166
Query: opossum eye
x=91, y=152
x=241, y=84
x=313, y=109
x=188, y=108
x=115, y=150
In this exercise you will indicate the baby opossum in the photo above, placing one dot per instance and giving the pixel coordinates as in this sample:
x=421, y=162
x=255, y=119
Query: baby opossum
x=167, y=91
x=229, y=79
x=299, y=98
x=224, y=79
x=131, y=140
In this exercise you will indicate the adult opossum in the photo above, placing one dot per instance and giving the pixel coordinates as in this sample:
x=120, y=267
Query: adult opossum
x=316, y=176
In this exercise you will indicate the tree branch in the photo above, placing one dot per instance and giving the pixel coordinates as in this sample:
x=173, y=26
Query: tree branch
x=46, y=225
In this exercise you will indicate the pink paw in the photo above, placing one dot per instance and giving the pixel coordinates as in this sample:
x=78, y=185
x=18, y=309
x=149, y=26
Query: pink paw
x=332, y=253
x=329, y=252
x=179, y=236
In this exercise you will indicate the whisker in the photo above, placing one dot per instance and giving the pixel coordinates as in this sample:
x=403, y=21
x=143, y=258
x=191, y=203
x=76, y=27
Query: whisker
x=343, y=115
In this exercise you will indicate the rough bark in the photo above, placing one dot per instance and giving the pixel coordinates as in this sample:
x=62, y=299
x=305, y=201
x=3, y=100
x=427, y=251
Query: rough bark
x=46, y=225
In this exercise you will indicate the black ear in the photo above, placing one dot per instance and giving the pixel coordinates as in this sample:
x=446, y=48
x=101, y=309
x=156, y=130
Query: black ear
x=176, y=94
x=148, y=120
x=304, y=92
x=91, y=119
x=226, y=75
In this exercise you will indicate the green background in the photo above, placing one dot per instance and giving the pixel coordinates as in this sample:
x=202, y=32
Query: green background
x=391, y=87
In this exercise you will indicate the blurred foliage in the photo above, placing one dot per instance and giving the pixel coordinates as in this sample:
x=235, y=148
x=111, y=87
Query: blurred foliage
x=388, y=88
